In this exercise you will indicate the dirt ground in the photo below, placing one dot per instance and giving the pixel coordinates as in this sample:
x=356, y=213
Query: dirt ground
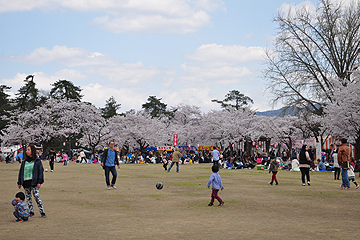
x=79, y=206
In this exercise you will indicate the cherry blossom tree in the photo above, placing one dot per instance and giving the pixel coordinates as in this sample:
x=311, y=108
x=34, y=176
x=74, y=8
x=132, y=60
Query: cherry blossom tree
x=93, y=127
x=343, y=114
x=42, y=125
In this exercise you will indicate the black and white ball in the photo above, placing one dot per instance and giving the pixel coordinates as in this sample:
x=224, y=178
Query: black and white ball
x=159, y=185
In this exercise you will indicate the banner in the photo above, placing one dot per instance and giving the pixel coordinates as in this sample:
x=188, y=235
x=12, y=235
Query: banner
x=176, y=138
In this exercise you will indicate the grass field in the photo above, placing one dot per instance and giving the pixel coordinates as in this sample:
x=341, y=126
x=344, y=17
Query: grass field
x=79, y=206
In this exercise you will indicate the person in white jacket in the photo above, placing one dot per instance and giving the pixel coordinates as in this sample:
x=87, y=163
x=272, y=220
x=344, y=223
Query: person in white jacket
x=336, y=163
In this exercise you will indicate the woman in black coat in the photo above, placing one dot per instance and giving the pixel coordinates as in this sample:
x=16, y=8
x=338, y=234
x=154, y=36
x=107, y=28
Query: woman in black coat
x=31, y=176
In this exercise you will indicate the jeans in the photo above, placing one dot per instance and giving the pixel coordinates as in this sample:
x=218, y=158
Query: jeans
x=344, y=176
x=305, y=171
x=172, y=164
x=17, y=214
x=114, y=174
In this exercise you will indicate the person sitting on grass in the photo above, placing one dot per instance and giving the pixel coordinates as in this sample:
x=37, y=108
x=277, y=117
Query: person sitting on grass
x=215, y=181
x=21, y=209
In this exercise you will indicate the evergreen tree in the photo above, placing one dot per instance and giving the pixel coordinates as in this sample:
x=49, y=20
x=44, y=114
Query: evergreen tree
x=110, y=108
x=28, y=96
x=64, y=89
x=5, y=106
x=156, y=108
x=234, y=99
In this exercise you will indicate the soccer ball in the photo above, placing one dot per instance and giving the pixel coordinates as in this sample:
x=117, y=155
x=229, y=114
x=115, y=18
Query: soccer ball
x=159, y=185
x=46, y=170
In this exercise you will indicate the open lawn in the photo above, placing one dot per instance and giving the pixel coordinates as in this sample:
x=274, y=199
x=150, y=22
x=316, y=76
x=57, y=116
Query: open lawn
x=79, y=206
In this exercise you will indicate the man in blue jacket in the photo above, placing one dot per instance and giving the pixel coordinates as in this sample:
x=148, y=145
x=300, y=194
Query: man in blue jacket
x=108, y=161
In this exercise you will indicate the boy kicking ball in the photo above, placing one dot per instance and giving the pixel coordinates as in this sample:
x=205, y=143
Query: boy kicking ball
x=215, y=181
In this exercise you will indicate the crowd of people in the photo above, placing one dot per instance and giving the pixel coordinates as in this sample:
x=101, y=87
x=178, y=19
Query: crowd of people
x=31, y=175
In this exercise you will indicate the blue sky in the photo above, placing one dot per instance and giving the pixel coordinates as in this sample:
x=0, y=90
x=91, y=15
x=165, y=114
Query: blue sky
x=188, y=51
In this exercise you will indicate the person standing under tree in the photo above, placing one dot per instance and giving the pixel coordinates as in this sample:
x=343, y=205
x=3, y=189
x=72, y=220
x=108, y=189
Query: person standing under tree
x=52, y=156
x=305, y=162
x=108, y=161
x=344, y=155
x=215, y=156
x=336, y=163
x=31, y=176
x=175, y=159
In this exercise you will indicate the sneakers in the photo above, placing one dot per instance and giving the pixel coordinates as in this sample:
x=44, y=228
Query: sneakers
x=31, y=215
x=276, y=184
x=270, y=183
x=220, y=204
x=113, y=186
x=52, y=170
x=357, y=187
x=19, y=220
x=43, y=215
x=303, y=184
x=342, y=186
x=210, y=204
x=309, y=183
x=346, y=188
x=109, y=187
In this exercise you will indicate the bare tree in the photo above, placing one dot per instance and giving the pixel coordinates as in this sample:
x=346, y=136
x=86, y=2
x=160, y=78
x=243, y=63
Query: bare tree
x=314, y=45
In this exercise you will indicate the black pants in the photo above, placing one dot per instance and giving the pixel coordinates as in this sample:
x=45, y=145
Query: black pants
x=336, y=173
x=216, y=163
x=51, y=163
x=305, y=171
x=165, y=166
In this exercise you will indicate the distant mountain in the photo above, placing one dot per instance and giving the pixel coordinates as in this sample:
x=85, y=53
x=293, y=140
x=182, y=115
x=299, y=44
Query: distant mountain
x=277, y=113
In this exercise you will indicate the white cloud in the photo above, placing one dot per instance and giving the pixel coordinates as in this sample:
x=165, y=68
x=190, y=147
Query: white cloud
x=291, y=9
x=189, y=95
x=71, y=57
x=134, y=73
x=215, y=54
x=155, y=23
x=128, y=98
x=220, y=75
x=151, y=16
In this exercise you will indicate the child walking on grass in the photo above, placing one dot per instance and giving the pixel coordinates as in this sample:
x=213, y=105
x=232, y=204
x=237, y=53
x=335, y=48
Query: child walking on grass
x=216, y=183
x=351, y=175
x=274, y=166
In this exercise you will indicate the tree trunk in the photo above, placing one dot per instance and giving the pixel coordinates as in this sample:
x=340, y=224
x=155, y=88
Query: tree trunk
x=357, y=148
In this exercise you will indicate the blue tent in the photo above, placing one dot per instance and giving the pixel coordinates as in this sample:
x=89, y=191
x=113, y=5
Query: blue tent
x=20, y=155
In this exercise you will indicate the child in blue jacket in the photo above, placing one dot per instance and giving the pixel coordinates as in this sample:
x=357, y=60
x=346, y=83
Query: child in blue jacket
x=215, y=181
x=21, y=209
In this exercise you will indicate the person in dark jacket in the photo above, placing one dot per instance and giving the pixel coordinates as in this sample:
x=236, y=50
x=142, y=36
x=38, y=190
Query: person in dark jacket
x=31, y=176
x=274, y=166
x=305, y=162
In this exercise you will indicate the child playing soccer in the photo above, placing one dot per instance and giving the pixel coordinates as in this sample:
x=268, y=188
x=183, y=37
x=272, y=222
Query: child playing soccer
x=215, y=181
x=274, y=166
x=21, y=210
x=351, y=175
